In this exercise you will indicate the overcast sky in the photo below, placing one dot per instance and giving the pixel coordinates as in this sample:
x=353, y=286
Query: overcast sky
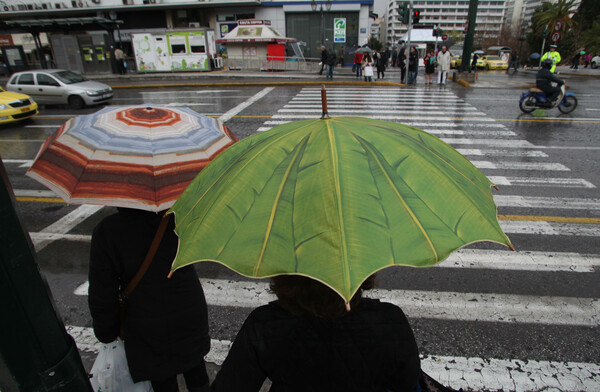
x=380, y=6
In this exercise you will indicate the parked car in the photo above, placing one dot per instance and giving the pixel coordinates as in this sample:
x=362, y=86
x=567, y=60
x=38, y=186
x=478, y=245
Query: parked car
x=15, y=107
x=493, y=62
x=59, y=86
x=595, y=63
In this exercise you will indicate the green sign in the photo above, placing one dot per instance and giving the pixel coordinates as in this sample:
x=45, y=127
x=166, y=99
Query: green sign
x=339, y=30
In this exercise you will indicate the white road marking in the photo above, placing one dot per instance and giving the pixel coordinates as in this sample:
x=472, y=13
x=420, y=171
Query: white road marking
x=21, y=162
x=343, y=111
x=498, y=133
x=502, y=165
x=521, y=261
x=232, y=112
x=412, y=124
x=541, y=181
x=187, y=92
x=547, y=202
x=551, y=228
x=379, y=106
x=513, y=143
x=62, y=226
x=34, y=193
x=438, y=305
x=428, y=118
x=472, y=374
x=502, y=152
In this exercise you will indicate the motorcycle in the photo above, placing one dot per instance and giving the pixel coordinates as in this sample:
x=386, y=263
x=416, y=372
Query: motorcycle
x=536, y=99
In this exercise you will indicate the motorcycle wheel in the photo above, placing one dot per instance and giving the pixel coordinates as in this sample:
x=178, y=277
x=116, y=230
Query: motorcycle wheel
x=527, y=105
x=568, y=104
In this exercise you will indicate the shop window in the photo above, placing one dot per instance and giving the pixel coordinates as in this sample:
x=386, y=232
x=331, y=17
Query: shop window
x=177, y=48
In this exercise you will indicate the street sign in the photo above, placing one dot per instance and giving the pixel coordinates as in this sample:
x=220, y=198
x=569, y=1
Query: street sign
x=466, y=26
x=555, y=37
x=558, y=25
x=444, y=37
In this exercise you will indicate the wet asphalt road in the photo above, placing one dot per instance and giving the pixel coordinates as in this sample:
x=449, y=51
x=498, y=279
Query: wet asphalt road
x=569, y=147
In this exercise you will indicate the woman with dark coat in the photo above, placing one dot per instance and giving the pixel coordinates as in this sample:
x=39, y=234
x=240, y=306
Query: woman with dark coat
x=380, y=63
x=307, y=340
x=413, y=65
x=166, y=322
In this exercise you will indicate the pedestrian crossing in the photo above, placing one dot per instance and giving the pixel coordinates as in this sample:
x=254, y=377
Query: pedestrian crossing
x=525, y=172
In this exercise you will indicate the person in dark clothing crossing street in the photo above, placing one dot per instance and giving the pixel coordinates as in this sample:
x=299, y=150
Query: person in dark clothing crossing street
x=166, y=320
x=513, y=61
x=331, y=61
x=308, y=341
x=324, y=55
x=544, y=80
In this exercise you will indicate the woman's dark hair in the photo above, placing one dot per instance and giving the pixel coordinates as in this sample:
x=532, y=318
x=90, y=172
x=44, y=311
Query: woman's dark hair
x=368, y=57
x=305, y=296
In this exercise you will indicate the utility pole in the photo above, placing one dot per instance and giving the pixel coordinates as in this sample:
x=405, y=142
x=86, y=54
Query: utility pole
x=410, y=17
x=465, y=66
x=34, y=345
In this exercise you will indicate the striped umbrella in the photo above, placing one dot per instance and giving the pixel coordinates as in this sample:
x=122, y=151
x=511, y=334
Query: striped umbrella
x=135, y=156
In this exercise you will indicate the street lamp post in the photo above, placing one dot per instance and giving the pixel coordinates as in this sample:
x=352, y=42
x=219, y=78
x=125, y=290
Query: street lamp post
x=313, y=5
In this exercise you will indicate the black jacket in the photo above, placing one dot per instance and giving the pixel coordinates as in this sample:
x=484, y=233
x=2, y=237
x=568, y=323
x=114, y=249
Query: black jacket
x=166, y=323
x=331, y=58
x=413, y=61
x=324, y=54
x=372, y=348
x=544, y=79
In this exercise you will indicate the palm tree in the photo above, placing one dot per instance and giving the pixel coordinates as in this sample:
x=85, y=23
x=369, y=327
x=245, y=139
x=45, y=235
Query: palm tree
x=560, y=11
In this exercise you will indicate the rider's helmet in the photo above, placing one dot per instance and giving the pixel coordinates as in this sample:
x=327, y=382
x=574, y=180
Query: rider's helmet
x=547, y=63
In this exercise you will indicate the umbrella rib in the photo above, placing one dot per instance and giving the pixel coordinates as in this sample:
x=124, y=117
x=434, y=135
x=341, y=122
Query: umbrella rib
x=338, y=195
x=373, y=156
x=299, y=152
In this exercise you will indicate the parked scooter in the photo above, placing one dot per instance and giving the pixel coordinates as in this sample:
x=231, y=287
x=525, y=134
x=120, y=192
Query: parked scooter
x=536, y=99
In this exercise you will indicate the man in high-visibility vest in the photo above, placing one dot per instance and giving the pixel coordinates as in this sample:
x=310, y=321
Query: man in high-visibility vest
x=552, y=55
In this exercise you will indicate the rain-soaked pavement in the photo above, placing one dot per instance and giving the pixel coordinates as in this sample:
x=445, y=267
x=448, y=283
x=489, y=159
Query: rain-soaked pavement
x=486, y=319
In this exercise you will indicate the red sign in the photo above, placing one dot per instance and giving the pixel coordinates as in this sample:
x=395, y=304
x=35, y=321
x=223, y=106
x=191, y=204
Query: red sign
x=444, y=37
x=466, y=26
x=558, y=25
x=6, y=40
x=555, y=37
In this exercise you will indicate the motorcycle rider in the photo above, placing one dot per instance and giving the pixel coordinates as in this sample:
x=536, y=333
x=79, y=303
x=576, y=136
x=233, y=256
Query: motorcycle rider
x=552, y=55
x=544, y=79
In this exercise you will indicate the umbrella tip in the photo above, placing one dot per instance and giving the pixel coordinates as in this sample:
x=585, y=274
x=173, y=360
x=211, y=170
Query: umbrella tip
x=512, y=248
x=348, y=306
x=170, y=274
x=496, y=187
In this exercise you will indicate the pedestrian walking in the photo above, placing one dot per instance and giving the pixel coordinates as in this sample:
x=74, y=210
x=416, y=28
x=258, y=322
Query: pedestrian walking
x=331, y=61
x=413, y=65
x=443, y=60
x=120, y=60
x=324, y=54
x=395, y=57
x=402, y=62
x=576, y=59
x=430, y=61
x=308, y=341
x=380, y=63
x=358, y=58
x=513, y=61
x=367, y=65
x=165, y=321
x=341, y=57
x=587, y=59
x=553, y=55
x=474, y=62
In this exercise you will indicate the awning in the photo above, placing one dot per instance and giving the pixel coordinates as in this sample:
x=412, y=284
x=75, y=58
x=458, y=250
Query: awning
x=60, y=24
x=254, y=33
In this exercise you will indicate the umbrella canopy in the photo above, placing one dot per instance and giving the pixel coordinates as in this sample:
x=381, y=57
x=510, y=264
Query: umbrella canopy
x=534, y=56
x=139, y=157
x=479, y=52
x=365, y=49
x=335, y=200
x=582, y=52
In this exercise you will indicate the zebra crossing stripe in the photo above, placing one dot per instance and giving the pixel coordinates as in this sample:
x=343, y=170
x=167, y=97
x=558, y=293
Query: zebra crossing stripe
x=358, y=106
x=541, y=181
x=502, y=152
x=440, y=305
x=382, y=111
x=471, y=373
x=547, y=202
x=531, y=166
x=64, y=225
x=430, y=118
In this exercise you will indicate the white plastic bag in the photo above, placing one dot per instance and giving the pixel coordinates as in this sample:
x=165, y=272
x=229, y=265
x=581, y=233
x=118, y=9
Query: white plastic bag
x=110, y=372
x=368, y=70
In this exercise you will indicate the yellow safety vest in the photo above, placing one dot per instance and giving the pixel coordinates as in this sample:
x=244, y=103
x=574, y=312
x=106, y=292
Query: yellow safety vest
x=554, y=56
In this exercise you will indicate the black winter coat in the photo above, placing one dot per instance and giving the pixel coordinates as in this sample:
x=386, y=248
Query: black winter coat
x=331, y=58
x=372, y=348
x=544, y=79
x=166, y=323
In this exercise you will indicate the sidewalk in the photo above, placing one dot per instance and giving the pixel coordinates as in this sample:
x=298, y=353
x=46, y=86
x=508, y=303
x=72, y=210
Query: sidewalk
x=342, y=76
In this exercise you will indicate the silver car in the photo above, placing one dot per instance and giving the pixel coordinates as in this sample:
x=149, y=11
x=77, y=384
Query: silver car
x=59, y=86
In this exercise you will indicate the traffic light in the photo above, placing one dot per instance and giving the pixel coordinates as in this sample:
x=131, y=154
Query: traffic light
x=403, y=13
x=416, y=16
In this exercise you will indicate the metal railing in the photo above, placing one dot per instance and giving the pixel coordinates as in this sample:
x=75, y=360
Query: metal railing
x=272, y=63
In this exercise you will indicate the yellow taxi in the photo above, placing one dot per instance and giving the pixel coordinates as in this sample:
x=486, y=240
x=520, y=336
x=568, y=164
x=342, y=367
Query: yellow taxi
x=493, y=62
x=16, y=106
x=457, y=61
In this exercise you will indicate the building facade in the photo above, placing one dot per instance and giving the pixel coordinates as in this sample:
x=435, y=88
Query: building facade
x=310, y=22
x=449, y=15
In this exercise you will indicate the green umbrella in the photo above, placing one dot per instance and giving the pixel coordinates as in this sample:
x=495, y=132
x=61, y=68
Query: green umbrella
x=335, y=200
